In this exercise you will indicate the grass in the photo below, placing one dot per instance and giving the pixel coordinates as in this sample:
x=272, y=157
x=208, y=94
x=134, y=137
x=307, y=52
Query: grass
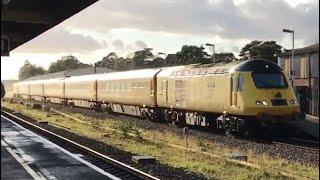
x=131, y=138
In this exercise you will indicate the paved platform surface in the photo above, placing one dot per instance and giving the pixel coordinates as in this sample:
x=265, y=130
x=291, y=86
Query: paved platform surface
x=309, y=125
x=11, y=168
x=25, y=155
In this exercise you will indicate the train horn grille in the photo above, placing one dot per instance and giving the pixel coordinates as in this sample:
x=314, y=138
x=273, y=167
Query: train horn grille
x=279, y=102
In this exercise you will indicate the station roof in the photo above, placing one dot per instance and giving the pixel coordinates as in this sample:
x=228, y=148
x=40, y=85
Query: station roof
x=305, y=50
x=23, y=20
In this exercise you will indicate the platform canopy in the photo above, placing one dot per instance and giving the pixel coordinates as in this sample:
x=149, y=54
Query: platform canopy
x=23, y=20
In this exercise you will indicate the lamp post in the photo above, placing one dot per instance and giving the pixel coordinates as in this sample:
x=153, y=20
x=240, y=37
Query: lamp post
x=291, y=64
x=165, y=60
x=213, y=50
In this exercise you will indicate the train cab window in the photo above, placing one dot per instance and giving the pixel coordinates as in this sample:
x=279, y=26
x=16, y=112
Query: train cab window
x=240, y=83
x=269, y=80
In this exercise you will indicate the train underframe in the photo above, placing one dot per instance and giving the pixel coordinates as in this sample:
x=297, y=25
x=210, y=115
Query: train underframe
x=230, y=124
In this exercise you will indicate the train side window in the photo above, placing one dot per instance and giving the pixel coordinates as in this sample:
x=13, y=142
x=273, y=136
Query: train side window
x=113, y=86
x=108, y=86
x=134, y=85
x=164, y=85
x=123, y=87
x=240, y=83
x=117, y=86
x=103, y=86
x=129, y=86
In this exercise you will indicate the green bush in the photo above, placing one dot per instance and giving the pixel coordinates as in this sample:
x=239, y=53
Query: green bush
x=201, y=143
x=124, y=129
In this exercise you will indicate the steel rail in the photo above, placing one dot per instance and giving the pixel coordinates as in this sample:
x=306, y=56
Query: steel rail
x=316, y=150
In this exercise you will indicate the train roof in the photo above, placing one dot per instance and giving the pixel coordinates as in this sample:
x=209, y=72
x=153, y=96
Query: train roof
x=82, y=78
x=135, y=74
x=252, y=65
x=40, y=81
x=258, y=65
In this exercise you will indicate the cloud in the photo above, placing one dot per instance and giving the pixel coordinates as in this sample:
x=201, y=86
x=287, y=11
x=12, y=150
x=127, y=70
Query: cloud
x=118, y=45
x=247, y=19
x=60, y=40
x=140, y=44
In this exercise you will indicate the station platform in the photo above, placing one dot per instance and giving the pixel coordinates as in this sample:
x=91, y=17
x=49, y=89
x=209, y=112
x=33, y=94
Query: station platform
x=25, y=155
x=10, y=167
x=309, y=125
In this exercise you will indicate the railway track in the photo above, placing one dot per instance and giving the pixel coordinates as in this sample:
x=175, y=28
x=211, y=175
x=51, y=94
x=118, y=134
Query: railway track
x=302, y=144
x=305, y=151
x=108, y=164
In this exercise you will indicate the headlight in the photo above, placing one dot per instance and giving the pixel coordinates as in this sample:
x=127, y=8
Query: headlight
x=265, y=103
x=259, y=103
x=293, y=101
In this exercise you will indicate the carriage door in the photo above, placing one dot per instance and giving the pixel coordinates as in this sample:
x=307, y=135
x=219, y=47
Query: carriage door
x=233, y=89
x=164, y=89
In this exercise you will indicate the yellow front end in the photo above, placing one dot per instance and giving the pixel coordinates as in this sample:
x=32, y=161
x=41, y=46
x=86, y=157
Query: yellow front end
x=264, y=102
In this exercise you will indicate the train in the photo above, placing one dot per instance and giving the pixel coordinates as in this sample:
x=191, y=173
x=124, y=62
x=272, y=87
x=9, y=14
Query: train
x=235, y=97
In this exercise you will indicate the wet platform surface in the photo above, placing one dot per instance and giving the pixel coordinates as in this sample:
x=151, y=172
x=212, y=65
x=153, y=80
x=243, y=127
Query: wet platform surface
x=11, y=168
x=25, y=155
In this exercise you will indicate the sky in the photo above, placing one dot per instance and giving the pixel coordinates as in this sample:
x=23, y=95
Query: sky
x=124, y=26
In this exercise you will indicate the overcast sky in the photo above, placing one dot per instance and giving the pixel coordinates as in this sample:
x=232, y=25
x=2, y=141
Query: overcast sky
x=124, y=26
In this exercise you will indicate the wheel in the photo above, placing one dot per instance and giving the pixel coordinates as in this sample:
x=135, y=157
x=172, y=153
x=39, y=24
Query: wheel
x=64, y=103
x=181, y=120
x=71, y=104
x=250, y=129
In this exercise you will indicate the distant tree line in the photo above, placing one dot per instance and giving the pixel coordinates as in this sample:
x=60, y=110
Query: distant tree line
x=65, y=63
x=189, y=54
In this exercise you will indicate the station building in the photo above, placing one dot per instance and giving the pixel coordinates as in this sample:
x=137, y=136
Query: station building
x=305, y=78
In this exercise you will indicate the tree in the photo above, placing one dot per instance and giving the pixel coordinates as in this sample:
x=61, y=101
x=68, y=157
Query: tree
x=65, y=63
x=191, y=55
x=29, y=70
x=122, y=64
x=108, y=61
x=224, y=57
x=157, y=62
x=258, y=49
x=141, y=56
